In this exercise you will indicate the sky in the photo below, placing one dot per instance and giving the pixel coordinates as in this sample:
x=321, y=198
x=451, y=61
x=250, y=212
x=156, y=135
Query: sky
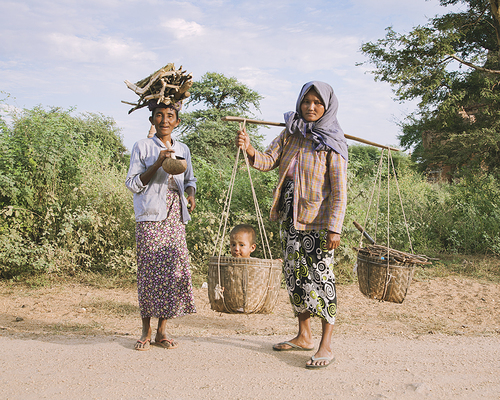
x=77, y=54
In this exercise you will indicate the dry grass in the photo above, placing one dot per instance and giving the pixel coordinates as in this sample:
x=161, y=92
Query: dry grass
x=111, y=307
x=92, y=328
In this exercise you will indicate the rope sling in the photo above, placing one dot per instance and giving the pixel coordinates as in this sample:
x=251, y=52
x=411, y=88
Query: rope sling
x=219, y=289
x=385, y=273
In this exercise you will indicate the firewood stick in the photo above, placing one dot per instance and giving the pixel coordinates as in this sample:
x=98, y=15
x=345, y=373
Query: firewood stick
x=255, y=121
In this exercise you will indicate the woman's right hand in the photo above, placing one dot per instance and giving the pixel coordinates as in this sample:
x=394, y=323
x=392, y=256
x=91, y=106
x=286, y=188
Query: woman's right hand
x=242, y=140
x=146, y=176
x=164, y=154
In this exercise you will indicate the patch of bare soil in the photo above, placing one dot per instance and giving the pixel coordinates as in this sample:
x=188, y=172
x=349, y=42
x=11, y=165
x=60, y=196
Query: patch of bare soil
x=450, y=306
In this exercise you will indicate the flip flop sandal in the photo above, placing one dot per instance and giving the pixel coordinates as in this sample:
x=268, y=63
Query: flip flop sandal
x=146, y=345
x=167, y=344
x=293, y=347
x=319, y=359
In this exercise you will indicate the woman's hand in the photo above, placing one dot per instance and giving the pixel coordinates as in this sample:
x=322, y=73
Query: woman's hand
x=243, y=142
x=332, y=240
x=191, y=203
x=190, y=198
x=164, y=154
x=146, y=176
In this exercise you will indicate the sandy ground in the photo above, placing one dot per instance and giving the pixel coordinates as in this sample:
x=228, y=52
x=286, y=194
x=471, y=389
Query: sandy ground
x=75, y=341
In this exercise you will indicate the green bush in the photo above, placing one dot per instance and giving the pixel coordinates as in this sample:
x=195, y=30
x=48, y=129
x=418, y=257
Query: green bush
x=63, y=204
x=461, y=217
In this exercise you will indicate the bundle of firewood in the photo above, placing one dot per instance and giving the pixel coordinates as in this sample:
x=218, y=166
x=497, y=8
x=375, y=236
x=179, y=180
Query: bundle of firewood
x=382, y=252
x=167, y=85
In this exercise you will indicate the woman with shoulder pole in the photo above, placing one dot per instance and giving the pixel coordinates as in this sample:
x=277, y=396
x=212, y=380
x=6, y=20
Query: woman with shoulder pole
x=309, y=202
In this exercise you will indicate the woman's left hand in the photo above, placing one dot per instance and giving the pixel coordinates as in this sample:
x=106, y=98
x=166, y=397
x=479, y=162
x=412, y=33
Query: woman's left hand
x=332, y=240
x=191, y=203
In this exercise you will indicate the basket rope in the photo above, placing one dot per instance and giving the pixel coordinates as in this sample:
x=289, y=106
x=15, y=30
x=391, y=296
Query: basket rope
x=378, y=179
x=219, y=290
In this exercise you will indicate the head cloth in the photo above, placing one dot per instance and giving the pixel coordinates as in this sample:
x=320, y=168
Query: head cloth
x=326, y=131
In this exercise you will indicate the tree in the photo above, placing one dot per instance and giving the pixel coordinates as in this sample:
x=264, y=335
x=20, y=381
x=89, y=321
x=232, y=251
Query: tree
x=211, y=142
x=203, y=130
x=452, y=66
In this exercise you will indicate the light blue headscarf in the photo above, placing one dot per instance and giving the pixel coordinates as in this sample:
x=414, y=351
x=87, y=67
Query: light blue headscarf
x=326, y=131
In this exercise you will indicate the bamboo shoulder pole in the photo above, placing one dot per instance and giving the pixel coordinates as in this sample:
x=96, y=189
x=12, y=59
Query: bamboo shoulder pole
x=256, y=121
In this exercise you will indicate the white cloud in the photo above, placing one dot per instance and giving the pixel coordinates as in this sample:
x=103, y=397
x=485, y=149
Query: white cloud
x=66, y=53
x=100, y=50
x=182, y=28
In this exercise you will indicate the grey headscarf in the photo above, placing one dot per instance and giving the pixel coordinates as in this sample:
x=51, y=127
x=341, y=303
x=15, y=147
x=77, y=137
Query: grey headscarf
x=326, y=131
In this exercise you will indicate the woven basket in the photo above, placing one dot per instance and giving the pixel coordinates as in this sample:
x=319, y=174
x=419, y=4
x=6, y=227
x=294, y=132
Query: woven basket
x=380, y=281
x=250, y=285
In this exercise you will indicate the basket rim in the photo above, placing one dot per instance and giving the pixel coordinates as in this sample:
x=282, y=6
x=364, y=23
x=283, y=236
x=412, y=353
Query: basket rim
x=251, y=261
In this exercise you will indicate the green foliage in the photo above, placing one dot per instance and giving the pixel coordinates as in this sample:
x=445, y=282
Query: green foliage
x=452, y=65
x=211, y=142
x=364, y=161
x=63, y=204
x=470, y=224
x=203, y=130
x=41, y=151
x=459, y=218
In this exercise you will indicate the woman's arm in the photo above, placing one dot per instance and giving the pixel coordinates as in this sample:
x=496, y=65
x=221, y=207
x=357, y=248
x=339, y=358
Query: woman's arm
x=190, y=190
x=332, y=240
x=338, y=180
x=267, y=160
x=189, y=178
x=139, y=175
x=146, y=176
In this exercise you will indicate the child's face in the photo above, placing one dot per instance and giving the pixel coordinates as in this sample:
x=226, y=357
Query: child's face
x=241, y=246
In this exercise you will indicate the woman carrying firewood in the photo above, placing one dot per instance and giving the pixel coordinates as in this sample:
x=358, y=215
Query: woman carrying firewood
x=309, y=202
x=161, y=212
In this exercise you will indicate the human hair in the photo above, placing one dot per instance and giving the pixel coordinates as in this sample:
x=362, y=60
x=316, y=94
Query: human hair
x=165, y=106
x=246, y=229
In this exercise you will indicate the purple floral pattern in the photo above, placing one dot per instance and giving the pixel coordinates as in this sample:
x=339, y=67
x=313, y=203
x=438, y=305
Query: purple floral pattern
x=163, y=275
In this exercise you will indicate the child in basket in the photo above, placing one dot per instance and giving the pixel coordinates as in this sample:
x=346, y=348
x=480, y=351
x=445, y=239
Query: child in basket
x=242, y=240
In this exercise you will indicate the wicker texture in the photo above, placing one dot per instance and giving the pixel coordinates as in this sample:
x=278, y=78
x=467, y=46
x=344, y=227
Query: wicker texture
x=380, y=281
x=250, y=285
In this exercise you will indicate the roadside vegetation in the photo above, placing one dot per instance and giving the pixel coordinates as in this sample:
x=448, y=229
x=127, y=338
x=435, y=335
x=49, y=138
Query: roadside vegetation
x=65, y=212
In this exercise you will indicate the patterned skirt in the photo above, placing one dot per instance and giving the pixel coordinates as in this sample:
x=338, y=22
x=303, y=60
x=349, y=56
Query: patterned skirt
x=307, y=265
x=163, y=275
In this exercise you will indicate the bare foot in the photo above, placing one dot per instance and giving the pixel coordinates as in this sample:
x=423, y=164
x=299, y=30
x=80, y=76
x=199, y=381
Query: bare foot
x=144, y=343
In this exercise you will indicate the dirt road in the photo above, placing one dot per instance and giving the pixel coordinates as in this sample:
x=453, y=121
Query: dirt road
x=75, y=341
